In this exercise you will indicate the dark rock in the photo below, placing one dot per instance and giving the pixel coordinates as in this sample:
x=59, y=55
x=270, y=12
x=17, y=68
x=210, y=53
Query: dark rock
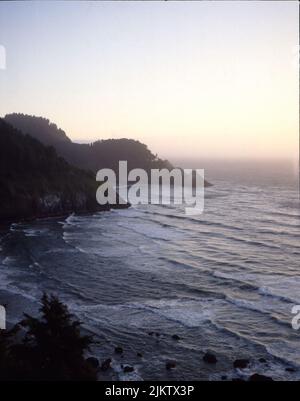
x=139, y=354
x=292, y=370
x=150, y=333
x=241, y=363
x=224, y=377
x=209, y=358
x=106, y=365
x=262, y=360
x=128, y=369
x=175, y=337
x=93, y=362
x=260, y=378
x=119, y=350
x=157, y=334
x=170, y=365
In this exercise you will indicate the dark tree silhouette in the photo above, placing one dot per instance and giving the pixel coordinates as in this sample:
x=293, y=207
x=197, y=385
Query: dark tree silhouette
x=30, y=173
x=100, y=154
x=52, y=347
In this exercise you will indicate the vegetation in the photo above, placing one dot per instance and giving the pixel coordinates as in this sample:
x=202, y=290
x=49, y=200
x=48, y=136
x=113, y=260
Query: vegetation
x=48, y=348
x=38, y=127
x=36, y=182
x=100, y=154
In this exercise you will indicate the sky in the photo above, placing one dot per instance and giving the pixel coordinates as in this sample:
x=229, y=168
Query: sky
x=190, y=79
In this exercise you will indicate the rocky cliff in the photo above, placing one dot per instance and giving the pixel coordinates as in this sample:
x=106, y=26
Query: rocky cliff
x=36, y=182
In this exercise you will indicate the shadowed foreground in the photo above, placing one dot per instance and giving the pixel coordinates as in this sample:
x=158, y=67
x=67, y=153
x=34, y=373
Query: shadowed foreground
x=47, y=348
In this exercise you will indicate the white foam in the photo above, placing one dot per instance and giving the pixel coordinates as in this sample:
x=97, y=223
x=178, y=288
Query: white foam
x=189, y=313
x=30, y=232
x=9, y=260
x=14, y=227
x=123, y=376
x=71, y=220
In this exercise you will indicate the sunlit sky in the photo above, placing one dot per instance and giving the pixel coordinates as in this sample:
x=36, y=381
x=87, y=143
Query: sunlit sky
x=190, y=79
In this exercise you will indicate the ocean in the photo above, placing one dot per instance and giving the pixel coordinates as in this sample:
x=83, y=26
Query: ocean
x=224, y=281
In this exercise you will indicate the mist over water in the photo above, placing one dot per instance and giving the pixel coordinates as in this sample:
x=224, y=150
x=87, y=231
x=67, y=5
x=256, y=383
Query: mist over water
x=251, y=171
x=223, y=281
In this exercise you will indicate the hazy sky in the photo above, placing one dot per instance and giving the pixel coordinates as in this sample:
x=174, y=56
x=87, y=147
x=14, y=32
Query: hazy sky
x=213, y=79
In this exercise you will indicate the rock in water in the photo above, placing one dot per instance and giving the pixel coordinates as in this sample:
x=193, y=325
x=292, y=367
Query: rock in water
x=106, y=365
x=119, y=350
x=175, y=337
x=128, y=369
x=93, y=362
x=241, y=363
x=209, y=358
x=260, y=378
x=170, y=365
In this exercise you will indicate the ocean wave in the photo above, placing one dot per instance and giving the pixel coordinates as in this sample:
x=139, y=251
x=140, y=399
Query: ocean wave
x=189, y=313
x=151, y=232
x=285, y=352
x=196, y=220
x=31, y=232
x=9, y=260
x=277, y=286
x=266, y=243
x=278, y=350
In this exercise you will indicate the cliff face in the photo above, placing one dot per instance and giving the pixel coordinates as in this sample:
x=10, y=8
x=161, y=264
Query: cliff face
x=45, y=204
x=35, y=182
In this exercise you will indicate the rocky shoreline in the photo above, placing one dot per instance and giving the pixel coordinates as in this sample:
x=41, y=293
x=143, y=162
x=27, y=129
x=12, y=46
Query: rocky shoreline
x=6, y=222
x=110, y=368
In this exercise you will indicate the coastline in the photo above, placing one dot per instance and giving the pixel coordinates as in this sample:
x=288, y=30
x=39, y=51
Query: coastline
x=6, y=223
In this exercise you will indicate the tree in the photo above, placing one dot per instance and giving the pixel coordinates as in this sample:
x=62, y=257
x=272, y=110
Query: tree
x=52, y=347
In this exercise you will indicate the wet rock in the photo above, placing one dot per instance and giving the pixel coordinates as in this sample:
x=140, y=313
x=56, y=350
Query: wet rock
x=170, y=365
x=224, y=377
x=139, y=354
x=175, y=337
x=93, y=362
x=291, y=370
x=157, y=334
x=106, y=365
x=209, y=358
x=128, y=369
x=119, y=350
x=260, y=378
x=262, y=360
x=150, y=333
x=241, y=363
